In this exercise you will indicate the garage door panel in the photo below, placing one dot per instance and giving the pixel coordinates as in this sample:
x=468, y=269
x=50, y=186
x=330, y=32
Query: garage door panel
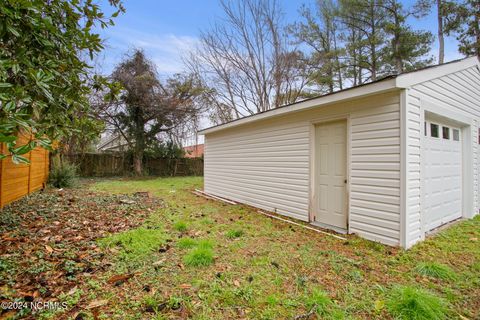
x=442, y=176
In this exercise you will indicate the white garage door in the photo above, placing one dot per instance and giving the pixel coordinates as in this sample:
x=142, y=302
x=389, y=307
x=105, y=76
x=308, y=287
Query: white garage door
x=442, y=174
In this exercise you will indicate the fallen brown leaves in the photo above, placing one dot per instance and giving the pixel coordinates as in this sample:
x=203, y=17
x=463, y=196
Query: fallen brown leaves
x=96, y=304
x=48, y=240
x=119, y=279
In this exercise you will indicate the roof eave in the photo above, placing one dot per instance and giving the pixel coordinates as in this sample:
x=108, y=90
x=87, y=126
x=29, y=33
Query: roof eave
x=410, y=79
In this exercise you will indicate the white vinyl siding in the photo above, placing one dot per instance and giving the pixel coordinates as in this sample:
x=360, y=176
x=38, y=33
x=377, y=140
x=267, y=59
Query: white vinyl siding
x=266, y=167
x=459, y=92
x=375, y=173
x=266, y=164
x=415, y=128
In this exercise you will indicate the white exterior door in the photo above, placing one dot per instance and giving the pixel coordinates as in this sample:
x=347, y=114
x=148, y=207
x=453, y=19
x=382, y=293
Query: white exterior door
x=330, y=174
x=442, y=174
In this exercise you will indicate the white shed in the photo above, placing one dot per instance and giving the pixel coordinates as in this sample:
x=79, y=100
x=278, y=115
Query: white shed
x=390, y=160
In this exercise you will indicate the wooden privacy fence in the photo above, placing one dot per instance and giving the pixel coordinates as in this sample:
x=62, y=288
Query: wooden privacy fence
x=120, y=164
x=18, y=180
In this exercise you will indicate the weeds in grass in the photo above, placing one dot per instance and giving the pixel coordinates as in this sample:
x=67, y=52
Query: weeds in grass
x=180, y=226
x=205, y=243
x=435, y=270
x=375, y=246
x=199, y=256
x=207, y=222
x=152, y=304
x=186, y=243
x=189, y=243
x=411, y=303
x=355, y=276
x=319, y=302
x=272, y=300
x=232, y=234
x=244, y=293
x=476, y=266
x=301, y=281
x=175, y=302
x=285, y=292
x=136, y=243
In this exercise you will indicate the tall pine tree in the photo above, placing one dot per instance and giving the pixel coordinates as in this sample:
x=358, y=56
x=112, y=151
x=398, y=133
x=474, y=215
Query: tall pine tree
x=409, y=49
x=364, y=21
x=463, y=21
x=319, y=31
x=356, y=41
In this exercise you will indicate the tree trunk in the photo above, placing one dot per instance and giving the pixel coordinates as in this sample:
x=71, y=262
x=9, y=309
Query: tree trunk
x=396, y=52
x=373, y=54
x=139, y=143
x=355, y=63
x=373, y=49
x=330, y=69
x=138, y=155
x=138, y=163
x=396, y=45
x=441, y=40
x=337, y=60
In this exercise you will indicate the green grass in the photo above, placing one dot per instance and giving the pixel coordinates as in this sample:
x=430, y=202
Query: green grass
x=206, y=244
x=319, y=302
x=135, y=244
x=180, y=226
x=186, y=243
x=163, y=187
x=235, y=233
x=212, y=270
x=435, y=270
x=199, y=256
x=410, y=303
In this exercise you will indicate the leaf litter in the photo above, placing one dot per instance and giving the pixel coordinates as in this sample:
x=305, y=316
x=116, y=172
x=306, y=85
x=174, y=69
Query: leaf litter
x=48, y=241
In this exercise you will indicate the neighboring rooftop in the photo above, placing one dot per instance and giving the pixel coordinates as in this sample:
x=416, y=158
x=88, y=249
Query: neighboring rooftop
x=194, y=151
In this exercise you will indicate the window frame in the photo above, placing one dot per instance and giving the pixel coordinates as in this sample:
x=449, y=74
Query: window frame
x=447, y=131
x=438, y=130
x=458, y=134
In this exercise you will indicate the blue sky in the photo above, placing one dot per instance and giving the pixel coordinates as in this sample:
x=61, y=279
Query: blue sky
x=167, y=30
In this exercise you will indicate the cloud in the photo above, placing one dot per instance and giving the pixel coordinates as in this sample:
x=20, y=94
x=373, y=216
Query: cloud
x=165, y=50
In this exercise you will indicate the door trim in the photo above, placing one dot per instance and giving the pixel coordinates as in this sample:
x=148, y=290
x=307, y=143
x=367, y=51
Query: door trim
x=312, y=204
